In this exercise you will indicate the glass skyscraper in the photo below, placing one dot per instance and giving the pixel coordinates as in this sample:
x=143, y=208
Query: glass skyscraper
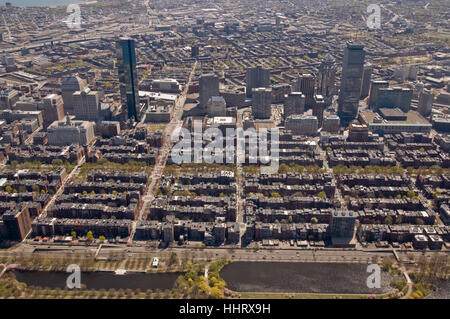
x=350, y=91
x=126, y=63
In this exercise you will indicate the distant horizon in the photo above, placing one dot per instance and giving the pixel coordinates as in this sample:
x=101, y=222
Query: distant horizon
x=40, y=3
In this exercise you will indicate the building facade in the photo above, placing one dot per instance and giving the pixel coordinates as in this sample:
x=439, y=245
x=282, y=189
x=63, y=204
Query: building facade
x=352, y=72
x=126, y=65
x=262, y=101
x=208, y=87
x=255, y=78
x=86, y=105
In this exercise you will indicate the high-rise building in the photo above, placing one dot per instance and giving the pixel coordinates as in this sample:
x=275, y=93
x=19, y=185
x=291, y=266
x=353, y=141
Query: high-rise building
x=350, y=91
x=365, y=84
x=53, y=109
x=294, y=104
x=194, y=51
x=306, y=84
x=426, y=99
x=326, y=79
x=257, y=77
x=302, y=124
x=318, y=108
x=217, y=106
x=86, y=105
x=126, y=65
x=70, y=85
x=342, y=224
x=70, y=132
x=208, y=87
x=8, y=97
x=374, y=88
x=262, y=101
x=331, y=123
x=394, y=97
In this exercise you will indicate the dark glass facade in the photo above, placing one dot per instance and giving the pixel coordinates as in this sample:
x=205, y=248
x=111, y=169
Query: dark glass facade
x=126, y=64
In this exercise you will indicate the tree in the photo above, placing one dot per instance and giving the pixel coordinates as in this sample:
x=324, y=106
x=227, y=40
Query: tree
x=322, y=194
x=314, y=220
x=275, y=195
x=216, y=293
x=173, y=258
x=57, y=162
x=388, y=220
x=73, y=234
x=8, y=189
x=102, y=238
x=437, y=193
x=90, y=235
x=410, y=194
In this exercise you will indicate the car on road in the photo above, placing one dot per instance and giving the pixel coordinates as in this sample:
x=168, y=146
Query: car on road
x=155, y=262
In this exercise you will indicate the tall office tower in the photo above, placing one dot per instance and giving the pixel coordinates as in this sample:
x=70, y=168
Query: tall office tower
x=426, y=98
x=262, y=100
x=53, y=109
x=294, y=104
x=216, y=106
x=70, y=85
x=352, y=71
x=365, y=84
x=327, y=77
x=194, y=51
x=86, y=105
x=306, y=84
x=318, y=108
x=126, y=64
x=394, y=97
x=208, y=87
x=256, y=78
x=374, y=90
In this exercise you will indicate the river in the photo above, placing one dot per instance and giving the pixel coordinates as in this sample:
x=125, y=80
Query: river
x=290, y=277
x=99, y=280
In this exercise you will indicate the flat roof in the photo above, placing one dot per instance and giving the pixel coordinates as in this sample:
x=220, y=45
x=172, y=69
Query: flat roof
x=412, y=118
